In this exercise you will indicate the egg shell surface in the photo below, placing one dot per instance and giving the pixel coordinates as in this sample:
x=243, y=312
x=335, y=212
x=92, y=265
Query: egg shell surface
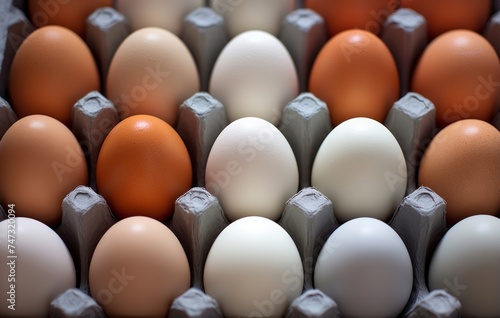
x=365, y=266
x=153, y=73
x=361, y=168
x=356, y=76
x=41, y=162
x=466, y=263
x=41, y=270
x=253, y=269
x=138, y=268
x=52, y=69
x=252, y=169
x=254, y=76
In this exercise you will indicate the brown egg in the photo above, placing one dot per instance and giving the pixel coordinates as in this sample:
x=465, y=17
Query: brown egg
x=71, y=14
x=459, y=72
x=355, y=74
x=52, y=69
x=462, y=165
x=40, y=163
x=138, y=268
x=341, y=15
x=446, y=15
x=143, y=167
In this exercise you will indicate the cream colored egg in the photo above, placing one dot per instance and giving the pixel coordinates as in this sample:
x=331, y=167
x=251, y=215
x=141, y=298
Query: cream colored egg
x=165, y=14
x=253, y=269
x=251, y=169
x=254, y=76
x=245, y=15
x=361, y=168
x=152, y=73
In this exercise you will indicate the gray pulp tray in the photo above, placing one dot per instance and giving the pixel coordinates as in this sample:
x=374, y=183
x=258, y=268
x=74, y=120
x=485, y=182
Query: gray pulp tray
x=308, y=215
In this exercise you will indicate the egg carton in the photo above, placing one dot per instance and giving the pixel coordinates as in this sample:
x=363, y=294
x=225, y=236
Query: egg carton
x=198, y=218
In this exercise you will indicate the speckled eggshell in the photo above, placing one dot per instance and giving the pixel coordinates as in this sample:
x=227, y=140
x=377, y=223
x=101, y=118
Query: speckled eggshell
x=462, y=165
x=152, y=73
x=255, y=76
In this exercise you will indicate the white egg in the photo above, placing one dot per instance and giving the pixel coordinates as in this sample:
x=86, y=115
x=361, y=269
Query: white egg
x=152, y=73
x=165, y=14
x=245, y=15
x=361, y=168
x=253, y=269
x=466, y=263
x=251, y=169
x=365, y=267
x=254, y=75
x=38, y=269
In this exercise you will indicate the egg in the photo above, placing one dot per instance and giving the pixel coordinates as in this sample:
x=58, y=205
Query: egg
x=365, y=267
x=152, y=72
x=342, y=15
x=356, y=76
x=462, y=165
x=447, y=15
x=361, y=168
x=245, y=15
x=253, y=269
x=254, y=76
x=466, y=263
x=138, y=268
x=36, y=266
x=459, y=72
x=71, y=14
x=52, y=69
x=165, y=14
x=40, y=163
x=143, y=167
x=251, y=169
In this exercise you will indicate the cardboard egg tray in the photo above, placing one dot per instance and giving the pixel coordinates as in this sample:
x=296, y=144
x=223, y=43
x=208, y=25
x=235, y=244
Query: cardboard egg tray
x=308, y=216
